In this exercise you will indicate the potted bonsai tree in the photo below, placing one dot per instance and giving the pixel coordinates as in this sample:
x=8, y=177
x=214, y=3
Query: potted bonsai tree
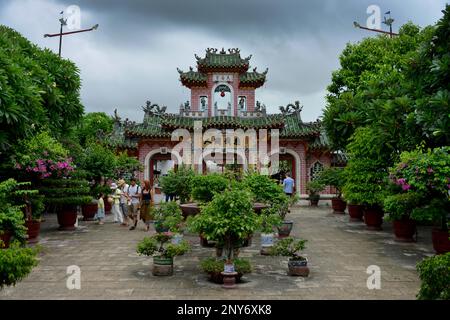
x=168, y=217
x=366, y=186
x=427, y=173
x=335, y=177
x=214, y=268
x=178, y=183
x=434, y=273
x=269, y=220
x=163, y=252
x=269, y=192
x=228, y=218
x=66, y=195
x=290, y=247
x=314, y=188
x=399, y=208
x=203, y=190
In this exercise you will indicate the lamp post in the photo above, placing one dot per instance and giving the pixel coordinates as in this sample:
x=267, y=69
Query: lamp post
x=387, y=21
x=63, y=23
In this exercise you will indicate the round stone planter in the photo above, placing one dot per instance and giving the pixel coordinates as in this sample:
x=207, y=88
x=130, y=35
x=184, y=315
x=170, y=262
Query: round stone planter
x=285, y=229
x=356, y=212
x=67, y=218
x=298, y=267
x=441, y=242
x=189, y=209
x=338, y=205
x=89, y=211
x=33, y=230
x=373, y=217
x=162, y=266
x=267, y=239
x=404, y=229
x=314, y=200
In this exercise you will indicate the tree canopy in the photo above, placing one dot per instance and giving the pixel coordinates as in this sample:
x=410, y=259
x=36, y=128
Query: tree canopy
x=39, y=90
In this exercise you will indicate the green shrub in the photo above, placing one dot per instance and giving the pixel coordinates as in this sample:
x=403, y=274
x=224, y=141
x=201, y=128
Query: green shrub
x=159, y=245
x=178, y=182
x=401, y=204
x=66, y=192
x=15, y=264
x=288, y=247
x=334, y=177
x=213, y=265
x=434, y=272
x=205, y=187
x=169, y=215
x=314, y=187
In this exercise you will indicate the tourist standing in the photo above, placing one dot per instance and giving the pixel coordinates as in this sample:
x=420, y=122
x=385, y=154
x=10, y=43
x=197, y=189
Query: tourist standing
x=147, y=204
x=124, y=199
x=288, y=185
x=100, y=215
x=116, y=203
x=134, y=193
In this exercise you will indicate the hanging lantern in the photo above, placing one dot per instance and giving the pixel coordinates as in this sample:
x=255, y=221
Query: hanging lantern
x=222, y=93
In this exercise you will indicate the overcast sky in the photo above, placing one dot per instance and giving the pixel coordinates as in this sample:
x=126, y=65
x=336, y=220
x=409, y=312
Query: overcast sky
x=134, y=54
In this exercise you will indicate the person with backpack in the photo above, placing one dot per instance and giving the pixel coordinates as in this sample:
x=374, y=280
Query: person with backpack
x=134, y=194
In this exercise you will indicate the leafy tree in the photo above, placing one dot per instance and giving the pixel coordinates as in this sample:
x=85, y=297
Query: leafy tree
x=98, y=161
x=39, y=91
x=91, y=125
x=178, y=182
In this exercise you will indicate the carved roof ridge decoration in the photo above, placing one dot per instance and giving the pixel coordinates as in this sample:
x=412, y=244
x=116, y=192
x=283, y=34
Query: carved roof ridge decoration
x=153, y=109
x=224, y=61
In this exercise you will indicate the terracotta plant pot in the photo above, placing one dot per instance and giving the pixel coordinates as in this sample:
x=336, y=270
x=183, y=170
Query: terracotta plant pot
x=162, y=266
x=373, y=217
x=67, y=217
x=441, y=242
x=298, y=268
x=285, y=229
x=33, y=230
x=404, y=229
x=356, y=212
x=89, y=211
x=338, y=205
x=217, y=277
x=6, y=238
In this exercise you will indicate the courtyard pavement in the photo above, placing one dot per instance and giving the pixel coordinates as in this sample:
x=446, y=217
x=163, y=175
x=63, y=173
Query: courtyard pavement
x=339, y=254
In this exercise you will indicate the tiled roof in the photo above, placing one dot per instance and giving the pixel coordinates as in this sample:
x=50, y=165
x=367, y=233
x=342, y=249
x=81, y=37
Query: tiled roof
x=161, y=126
x=192, y=78
x=253, y=79
x=223, y=61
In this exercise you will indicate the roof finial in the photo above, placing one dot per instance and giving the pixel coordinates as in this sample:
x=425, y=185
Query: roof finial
x=223, y=51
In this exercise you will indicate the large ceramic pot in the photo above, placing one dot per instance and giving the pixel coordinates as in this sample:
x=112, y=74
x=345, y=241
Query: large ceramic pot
x=67, y=217
x=285, y=229
x=404, y=229
x=6, y=238
x=217, y=277
x=338, y=205
x=373, y=217
x=162, y=266
x=314, y=200
x=356, y=212
x=298, y=267
x=189, y=209
x=441, y=242
x=33, y=230
x=89, y=210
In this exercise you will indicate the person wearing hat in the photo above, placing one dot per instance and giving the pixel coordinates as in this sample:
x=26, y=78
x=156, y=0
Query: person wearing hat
x=116, y=193
x=123, y=186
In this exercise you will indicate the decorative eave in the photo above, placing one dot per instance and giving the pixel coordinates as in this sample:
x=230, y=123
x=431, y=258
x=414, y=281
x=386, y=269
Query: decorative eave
x=192, y=78
x=252, y=79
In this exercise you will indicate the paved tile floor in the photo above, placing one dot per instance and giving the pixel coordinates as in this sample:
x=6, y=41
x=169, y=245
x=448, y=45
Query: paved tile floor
x=339, y=253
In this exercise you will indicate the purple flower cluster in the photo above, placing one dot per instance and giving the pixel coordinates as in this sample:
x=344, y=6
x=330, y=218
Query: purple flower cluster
x=45, y=168
x=402, y=182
